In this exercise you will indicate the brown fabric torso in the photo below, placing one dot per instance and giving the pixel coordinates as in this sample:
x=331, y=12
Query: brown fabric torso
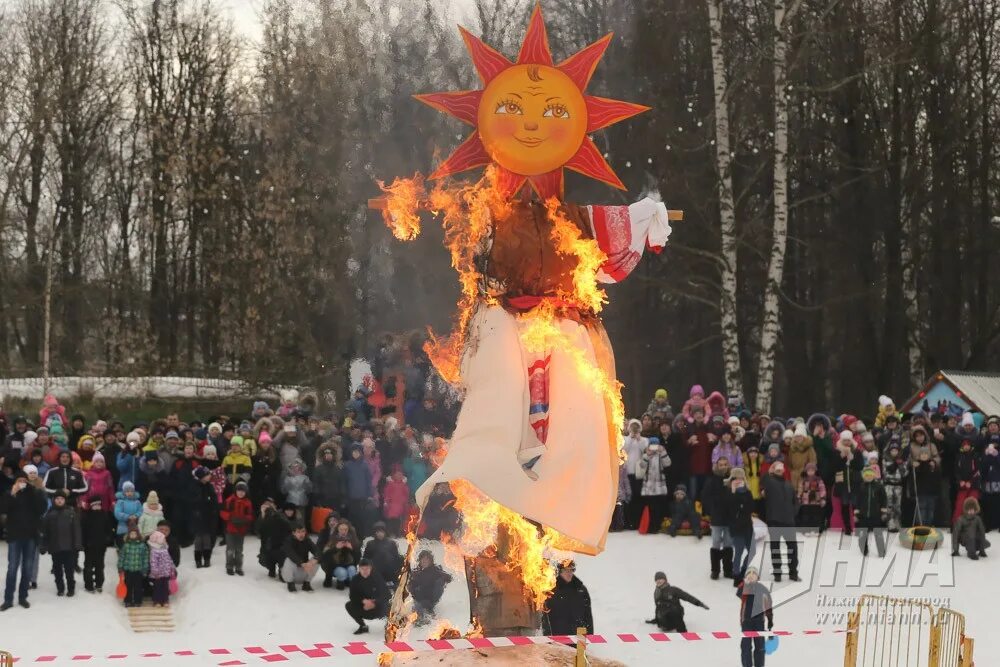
x=523, y=257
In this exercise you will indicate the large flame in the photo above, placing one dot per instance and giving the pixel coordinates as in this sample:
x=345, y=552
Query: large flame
x=570, y=241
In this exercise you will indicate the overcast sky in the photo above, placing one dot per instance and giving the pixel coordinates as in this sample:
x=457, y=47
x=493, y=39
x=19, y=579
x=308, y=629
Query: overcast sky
x=246, y=13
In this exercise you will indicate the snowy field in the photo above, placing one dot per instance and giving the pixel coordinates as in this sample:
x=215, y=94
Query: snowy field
x=213, y=610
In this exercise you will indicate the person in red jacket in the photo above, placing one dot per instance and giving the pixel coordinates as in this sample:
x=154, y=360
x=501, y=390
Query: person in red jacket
x=237, y=512
x=700, y=442
x=395, y=502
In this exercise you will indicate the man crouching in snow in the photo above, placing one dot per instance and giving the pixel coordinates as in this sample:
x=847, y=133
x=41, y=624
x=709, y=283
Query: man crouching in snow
x=669, y=611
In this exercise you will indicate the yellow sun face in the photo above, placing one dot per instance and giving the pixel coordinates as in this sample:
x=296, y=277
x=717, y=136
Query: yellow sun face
x=532, y=119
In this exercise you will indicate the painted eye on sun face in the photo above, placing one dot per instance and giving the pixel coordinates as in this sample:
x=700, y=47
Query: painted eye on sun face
x=509, y=107
x=556, y=111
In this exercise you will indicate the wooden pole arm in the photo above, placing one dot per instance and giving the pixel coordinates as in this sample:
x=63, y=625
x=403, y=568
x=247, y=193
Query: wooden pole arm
x=379, y=204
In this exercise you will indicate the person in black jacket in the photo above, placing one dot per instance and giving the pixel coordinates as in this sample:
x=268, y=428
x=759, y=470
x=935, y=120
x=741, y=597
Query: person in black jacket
x=301, y=559
x=273, y=528
x=384, y=554
x=669, y=615
x=95, y=525
x=871, y=511
x=65, y=478
x=61, y=537
x=25, y=507
x=568, y=608
x=741, y=523
x=716, y=502
x=755, y=607
x=780, y=500
x=204, y=517
x=426, y=583
x=369, y=597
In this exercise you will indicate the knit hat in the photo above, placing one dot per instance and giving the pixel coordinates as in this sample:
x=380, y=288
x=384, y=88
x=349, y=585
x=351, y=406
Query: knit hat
x=152, y=498
x=868, y=474
x=215, y=426
x=654, y=440
x=364, y=562
x=97, y=457
x=660, y=393
x=99, y=427
x=156, y=538
x=29, y=437
x=659, y=575
x=800, y=430
x=200, y=472
x=967, y=419
x=774, y=447
x=811, y=466
x=734, y=421
x=237, y=441
x=884, y=401
x=736, y=473
x=133, y=438
x=778, y=468
x=264, y=437
x=788, y=434
x=846, y=435
x=260, y=405
x=128, y=487
x=697, y=389
x=28, y=469
x=172, y=435
x=209, y=449
x=680, y=488
x=242, y=486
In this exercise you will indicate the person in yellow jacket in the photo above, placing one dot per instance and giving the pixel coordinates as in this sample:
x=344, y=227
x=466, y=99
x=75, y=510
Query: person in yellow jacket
x=236, y=464
x=752, y=462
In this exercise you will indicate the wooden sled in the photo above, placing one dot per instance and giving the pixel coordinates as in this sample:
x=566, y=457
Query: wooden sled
x=148, y=618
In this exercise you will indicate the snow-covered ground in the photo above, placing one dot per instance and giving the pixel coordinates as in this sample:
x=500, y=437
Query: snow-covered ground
x=217, y=611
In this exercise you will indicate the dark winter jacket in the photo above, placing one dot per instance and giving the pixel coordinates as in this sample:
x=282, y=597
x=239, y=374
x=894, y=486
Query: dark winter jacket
x=927, y=478
x=65, y=477
x=61, y=530
x=328, y=485
x=24, y=514
x=348, y=554
x=870, y=502
x=205, y=510
x=991, y=473
x=357, y=480
x=95, y=526
x=716, y=500
x=967, y=469
x=668, y=600
x=371, y=587
x=741, y=524
x=780, y=500
x=273, y=529
x=384, y=555
x=299, y=551
x=427, y=584
x=969, y=530
x=568, y=609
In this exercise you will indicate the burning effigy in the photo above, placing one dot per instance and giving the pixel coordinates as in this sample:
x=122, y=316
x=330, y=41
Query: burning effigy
x=534, y=459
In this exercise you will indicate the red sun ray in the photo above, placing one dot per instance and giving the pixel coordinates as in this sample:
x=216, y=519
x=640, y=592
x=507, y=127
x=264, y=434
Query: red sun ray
x=467, y=156
x=580, y=66
x=602, y=112
x=463, y=105
x=488, y=61
x=589, y=162
x=548, y=185
x=535, y=47
x=508, y=183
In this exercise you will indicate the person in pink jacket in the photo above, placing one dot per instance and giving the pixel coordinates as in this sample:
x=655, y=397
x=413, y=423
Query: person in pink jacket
x=697, y=400
x=100, y=483
x=396, y=503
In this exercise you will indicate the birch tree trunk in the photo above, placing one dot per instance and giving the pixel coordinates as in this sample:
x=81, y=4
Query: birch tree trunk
x=776, y=263
x=727, y=208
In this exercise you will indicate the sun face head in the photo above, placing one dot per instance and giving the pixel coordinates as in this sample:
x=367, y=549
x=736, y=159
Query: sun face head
x=532, y=119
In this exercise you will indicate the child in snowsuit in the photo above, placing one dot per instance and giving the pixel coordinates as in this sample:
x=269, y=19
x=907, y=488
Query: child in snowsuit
x=128, y=507
x=812, y=498
x=61, y=537
x=894, y=469
x=969, y=531
x=152, y=514
x=237, y=512
x=95, y=528
x=133, y=562
x=669, y=614
x=683, y=510
x=161, y=568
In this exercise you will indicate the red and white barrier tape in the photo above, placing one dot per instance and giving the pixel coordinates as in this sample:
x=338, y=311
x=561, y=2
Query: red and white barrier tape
x=281, y=654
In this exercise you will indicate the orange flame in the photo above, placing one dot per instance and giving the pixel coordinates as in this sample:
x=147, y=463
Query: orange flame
x=590, y=258
x=402, y=205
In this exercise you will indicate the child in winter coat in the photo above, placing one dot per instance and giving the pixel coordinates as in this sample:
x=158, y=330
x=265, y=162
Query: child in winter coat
x=161, y=568
x=727, y=448
x=654, y=464
x=696, y=401
x=100, y=483
x=128, y=507
x=683, y=510
x=237, y=466
x=95, y=528
x=969, y=531
x=773, y=456
x=800, y=454
x=237, y=512
x=152, y=514
x=812, y=498
x=894, y=470
x=967, y=474
x=753, y=464
x=210, y=460
x=991, y=486
x=870, y=511
x=133, y=562
x=396, y=502
x=297, y=486
x=61, y=537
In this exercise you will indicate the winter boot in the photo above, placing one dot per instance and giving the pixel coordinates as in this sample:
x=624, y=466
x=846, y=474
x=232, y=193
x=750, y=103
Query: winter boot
x=197, y=559
x=328, y=581
x=307, y=587
x=291, y=588
x=716, y=557
x=727, y=562
x=208, y=558
x=230, y=571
